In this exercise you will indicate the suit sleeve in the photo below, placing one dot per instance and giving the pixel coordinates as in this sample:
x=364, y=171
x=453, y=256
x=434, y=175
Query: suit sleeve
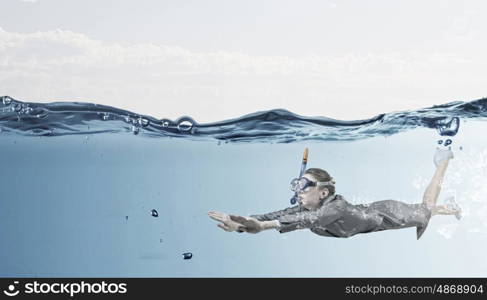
x=308, y=219
x=275, y=215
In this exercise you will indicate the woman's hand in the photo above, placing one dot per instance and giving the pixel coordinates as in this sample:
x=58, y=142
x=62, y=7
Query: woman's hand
x=251, y=225
x=226, y=223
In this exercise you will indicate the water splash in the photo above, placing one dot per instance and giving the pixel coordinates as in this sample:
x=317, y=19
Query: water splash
x=447, y=127
x=467, y=174
x=448, y=230
x=273, y=126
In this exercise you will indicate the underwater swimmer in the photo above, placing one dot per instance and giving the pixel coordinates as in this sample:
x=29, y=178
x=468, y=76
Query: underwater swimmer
x=329, y=214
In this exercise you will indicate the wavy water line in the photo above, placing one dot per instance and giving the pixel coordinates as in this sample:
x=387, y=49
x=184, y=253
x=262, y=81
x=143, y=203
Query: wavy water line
x=272, y=126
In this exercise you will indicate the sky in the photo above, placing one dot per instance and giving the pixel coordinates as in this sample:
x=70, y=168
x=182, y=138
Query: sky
x=216, y=60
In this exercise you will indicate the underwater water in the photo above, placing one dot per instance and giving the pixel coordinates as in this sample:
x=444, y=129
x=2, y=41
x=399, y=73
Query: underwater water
x=94, y=191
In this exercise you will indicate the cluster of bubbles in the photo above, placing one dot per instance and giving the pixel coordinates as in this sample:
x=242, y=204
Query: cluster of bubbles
x=183, y=124
x=447, y=142
x=448, y=127
x=19, y=108
x=137, y=123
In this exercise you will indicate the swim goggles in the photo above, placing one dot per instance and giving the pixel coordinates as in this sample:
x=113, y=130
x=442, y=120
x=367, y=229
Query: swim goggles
x=299, y=184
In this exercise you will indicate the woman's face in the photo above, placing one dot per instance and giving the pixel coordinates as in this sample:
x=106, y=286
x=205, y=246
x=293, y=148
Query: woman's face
x=311, y=196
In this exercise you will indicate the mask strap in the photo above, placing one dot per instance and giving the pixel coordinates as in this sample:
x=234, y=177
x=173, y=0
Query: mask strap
x=322, y=183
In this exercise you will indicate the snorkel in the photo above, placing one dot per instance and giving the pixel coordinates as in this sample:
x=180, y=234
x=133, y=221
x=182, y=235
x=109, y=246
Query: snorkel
x=294, y=199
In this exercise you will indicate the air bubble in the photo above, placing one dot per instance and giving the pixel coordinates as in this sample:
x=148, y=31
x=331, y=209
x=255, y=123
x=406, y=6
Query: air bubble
x=6, y=100
x=440, y=142
x=448, y=142
x=135, y=130
x=28, y=110
x=154, y=213
x=185, y=124
x=24, y=108
x=105, y=116
x=17, y=107
x=143, y=122
x=187, y=255
x=448, y=128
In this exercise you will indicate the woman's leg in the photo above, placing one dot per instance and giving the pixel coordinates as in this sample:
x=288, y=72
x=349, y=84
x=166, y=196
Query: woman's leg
x=443, y=210
x=432, y=192
x=430, y=196
x=450, y=208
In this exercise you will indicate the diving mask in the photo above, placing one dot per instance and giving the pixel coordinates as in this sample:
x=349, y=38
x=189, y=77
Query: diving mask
x=300, y=184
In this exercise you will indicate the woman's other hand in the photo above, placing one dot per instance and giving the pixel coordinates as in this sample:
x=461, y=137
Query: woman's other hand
x=227, y=223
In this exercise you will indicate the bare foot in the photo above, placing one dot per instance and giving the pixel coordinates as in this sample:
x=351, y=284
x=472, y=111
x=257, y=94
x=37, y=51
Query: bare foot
x=442, y=155
x=450, y=203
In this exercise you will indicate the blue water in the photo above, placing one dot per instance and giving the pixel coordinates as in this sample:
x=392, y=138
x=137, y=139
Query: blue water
x=79, y=182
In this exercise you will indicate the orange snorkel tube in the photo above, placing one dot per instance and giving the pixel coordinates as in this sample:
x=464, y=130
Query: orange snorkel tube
x=294, y=199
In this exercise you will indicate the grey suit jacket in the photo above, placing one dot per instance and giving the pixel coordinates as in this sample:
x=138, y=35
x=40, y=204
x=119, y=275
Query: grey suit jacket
x=339, y=218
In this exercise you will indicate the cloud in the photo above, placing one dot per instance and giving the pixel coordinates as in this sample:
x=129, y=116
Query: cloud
x=170, y=81
x=61, y=48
